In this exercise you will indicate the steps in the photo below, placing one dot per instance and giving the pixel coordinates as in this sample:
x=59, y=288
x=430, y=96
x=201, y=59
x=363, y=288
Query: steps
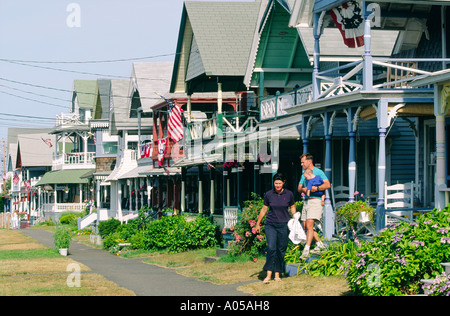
x=221, y=252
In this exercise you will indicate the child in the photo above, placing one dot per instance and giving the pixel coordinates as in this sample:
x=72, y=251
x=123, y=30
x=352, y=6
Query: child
x=314, y=181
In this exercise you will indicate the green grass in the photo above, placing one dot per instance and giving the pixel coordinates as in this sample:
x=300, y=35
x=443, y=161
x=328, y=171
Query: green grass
x=29, y=254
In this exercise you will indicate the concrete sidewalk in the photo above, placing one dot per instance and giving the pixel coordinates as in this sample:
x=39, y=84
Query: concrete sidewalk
x=141, y=278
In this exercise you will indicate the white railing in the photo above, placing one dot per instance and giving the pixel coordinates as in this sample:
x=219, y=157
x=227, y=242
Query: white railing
x=387, y=73
x=230, y=123
x=74, y=160
x=274, y=107
x=70, y=119
x=63, y=207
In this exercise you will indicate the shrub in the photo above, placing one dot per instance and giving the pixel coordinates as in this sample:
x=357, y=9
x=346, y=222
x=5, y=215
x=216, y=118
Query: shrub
x=108, y=227
x=247, y=240
x=69, y=219
x=397, y=259
x=62, y=237
x=177, y=234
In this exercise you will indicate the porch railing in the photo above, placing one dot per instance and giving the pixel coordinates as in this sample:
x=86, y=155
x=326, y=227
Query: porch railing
x=222, y=124
x=386, y=74
x=75, y=160
x=63, y=207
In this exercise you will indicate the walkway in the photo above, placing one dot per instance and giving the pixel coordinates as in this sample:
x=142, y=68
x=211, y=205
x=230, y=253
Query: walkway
x=141, y=278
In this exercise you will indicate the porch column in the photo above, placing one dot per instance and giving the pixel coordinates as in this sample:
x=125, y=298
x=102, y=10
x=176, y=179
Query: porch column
x=183, y=189
x=440, y=108
x=219, y=97
x=383, y=124
x=305, y=137
x=119, y=199
x=98, y=192
x=225, y=188
x=200, y=189
x=368, y=62
x=351, y=156
x=316, y=33
x=212, y=198
x=328, y=119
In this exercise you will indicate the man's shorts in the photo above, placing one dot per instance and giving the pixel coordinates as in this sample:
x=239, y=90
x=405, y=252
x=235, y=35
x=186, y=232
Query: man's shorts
x=312, y=209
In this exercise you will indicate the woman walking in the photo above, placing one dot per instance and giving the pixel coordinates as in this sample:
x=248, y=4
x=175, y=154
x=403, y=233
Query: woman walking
x=277, y=203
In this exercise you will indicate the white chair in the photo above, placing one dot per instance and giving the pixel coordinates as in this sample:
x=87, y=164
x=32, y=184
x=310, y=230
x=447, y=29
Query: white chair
x=230, y=217
x=399, y=196
x=340, y=195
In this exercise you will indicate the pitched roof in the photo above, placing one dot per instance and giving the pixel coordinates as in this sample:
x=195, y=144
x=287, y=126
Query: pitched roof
x=34, y=151
x=149, y=78
x=215, y=40
x=119, y=101
x=86, y=92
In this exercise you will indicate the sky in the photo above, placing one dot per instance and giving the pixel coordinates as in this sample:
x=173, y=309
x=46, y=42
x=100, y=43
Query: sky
x=42, y=43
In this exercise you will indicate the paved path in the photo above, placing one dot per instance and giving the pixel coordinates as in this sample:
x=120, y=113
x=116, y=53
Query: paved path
x=141, y=278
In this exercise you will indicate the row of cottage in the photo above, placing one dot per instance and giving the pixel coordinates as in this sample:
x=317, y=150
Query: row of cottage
x=361, y=85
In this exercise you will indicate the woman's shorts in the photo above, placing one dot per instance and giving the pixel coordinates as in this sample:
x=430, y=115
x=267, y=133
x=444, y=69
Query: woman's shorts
x=312, y=209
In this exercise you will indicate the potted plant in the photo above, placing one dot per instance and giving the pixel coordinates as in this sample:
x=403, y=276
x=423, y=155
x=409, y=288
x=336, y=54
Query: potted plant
x=355, y=212
x=62, y=238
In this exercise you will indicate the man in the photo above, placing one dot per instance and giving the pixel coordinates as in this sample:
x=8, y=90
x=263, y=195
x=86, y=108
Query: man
x=312, y=208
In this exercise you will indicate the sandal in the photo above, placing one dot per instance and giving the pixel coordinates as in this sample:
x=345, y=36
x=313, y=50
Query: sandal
x=277, y=279
x=266, y=280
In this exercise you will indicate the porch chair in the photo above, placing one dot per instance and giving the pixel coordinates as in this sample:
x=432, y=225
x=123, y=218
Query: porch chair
x=230, y=217
x=339, y=197
x=401, y=197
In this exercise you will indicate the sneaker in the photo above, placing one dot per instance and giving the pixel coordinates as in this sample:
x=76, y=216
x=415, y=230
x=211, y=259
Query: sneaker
x=304, y=255
x=317, y=251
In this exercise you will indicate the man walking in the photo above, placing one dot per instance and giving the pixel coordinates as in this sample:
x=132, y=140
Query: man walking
x=312, y=208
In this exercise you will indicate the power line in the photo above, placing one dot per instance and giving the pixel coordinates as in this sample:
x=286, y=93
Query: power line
x=87, y=61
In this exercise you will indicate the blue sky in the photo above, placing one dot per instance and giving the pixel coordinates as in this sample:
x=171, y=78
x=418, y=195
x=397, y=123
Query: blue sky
x=33, y=30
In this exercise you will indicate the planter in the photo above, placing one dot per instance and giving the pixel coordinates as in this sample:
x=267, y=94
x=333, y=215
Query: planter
x=96, y=239
x=446, y=266
x=364, y=217
x=63, y=251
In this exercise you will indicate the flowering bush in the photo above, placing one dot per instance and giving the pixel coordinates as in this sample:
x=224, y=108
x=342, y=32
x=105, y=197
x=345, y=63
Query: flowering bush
x=349, y=212
x=399, y=257
x=439, y=287
x=247, y=240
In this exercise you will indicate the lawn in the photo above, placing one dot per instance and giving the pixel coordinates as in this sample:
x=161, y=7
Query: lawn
x=32, y=269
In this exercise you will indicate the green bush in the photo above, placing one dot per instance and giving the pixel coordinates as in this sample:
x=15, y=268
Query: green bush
x=177, y=234
x=398, y=258
x=108, y=227
x=69, y=218
x=62, y=237
x=174, y=233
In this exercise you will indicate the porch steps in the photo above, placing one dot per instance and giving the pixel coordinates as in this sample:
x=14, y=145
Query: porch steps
x=220, y=252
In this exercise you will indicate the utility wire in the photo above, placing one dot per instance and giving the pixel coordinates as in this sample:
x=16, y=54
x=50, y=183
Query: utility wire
x=87, y=61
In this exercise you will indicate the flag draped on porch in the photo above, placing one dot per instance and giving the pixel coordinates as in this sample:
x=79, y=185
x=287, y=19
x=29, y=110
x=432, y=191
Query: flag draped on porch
x=350, y=21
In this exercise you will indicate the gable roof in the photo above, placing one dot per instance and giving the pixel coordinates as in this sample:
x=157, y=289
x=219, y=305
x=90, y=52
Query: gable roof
x=277, y=49
x=34, y=152
x=214, y=40
x=86, y=92
x=118, y=114
x=148, y=78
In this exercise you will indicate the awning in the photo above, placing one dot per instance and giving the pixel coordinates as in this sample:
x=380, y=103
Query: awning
x=64, y=177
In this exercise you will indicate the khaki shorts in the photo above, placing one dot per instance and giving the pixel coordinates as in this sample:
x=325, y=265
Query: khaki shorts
x=312, y=209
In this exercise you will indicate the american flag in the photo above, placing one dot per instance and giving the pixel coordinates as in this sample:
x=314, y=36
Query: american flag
x=175, y=125
x=48, y=142
x=16, y=178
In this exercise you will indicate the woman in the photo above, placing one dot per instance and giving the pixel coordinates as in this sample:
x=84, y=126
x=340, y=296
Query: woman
x=277, y=203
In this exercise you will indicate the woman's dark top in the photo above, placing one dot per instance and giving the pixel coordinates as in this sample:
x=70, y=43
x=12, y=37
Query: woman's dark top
x=279, y=205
